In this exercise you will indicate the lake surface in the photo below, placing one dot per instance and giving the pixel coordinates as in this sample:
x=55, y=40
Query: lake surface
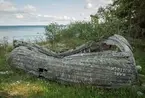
x=21, y=32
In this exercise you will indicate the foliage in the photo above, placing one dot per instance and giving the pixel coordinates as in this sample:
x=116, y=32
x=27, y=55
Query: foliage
x=77, y=33
x=108, y=23
x=51, y=30
x=129, y=12
x=69, y=34
x=81, y=30
x=124, y=17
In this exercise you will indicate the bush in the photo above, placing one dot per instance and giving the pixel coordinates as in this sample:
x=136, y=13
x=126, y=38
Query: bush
x=77, y=33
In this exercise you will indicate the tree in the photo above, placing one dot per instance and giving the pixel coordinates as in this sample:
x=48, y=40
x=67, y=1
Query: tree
x=133, y=12
x=129, y=13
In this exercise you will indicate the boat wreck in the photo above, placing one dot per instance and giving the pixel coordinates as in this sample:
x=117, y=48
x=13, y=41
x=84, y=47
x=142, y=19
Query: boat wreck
x=109, y=63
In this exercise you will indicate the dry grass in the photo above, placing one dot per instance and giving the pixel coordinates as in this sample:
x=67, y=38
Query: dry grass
x=24, y=89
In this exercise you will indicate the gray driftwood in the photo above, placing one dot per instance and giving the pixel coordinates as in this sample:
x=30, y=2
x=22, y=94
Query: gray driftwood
x=94, y=63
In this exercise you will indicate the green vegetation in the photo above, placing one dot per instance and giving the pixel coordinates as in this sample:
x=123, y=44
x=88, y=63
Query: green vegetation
x=18, y=84
x=125, y=17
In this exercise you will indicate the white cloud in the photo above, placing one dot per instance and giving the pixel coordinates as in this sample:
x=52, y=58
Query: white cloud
x=39, y=15
x=95, y=4
x=66, y=18
x=88, y=6
x=9, y=11
x=48, y=16
x=19, y=16
x=7, y=6
x=29, y=8
x=28, y=13
x=74, y=19
x=58, y=18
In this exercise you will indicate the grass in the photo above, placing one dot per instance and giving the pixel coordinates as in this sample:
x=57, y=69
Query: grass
x=18, y=84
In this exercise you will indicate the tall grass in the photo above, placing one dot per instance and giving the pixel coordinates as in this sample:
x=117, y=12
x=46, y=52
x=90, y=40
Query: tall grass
x=18, y=84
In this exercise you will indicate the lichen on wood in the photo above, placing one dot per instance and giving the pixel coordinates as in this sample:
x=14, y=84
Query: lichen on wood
x=94, y=63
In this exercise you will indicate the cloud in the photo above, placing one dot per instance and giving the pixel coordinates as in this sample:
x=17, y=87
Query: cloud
x=39, y=15
x=29, y=14
x=59, y=18
x=29, y=8
x=9, y=11
x=95, y=4
x=7, y=6
x=74, y=19
x=48, y=16
x=88, y=6
x=66, y=18
x=19, y=16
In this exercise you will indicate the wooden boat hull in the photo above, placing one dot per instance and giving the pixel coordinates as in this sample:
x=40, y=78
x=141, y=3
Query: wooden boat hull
x=108, y=69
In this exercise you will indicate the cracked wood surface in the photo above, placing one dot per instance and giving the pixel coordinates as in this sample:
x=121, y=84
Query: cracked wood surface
x=91, y=63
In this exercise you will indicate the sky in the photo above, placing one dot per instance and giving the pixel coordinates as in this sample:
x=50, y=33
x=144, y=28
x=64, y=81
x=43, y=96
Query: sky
x=42, y=12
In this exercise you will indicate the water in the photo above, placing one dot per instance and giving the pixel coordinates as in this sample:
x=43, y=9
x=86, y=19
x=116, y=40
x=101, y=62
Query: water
x=21, y=32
